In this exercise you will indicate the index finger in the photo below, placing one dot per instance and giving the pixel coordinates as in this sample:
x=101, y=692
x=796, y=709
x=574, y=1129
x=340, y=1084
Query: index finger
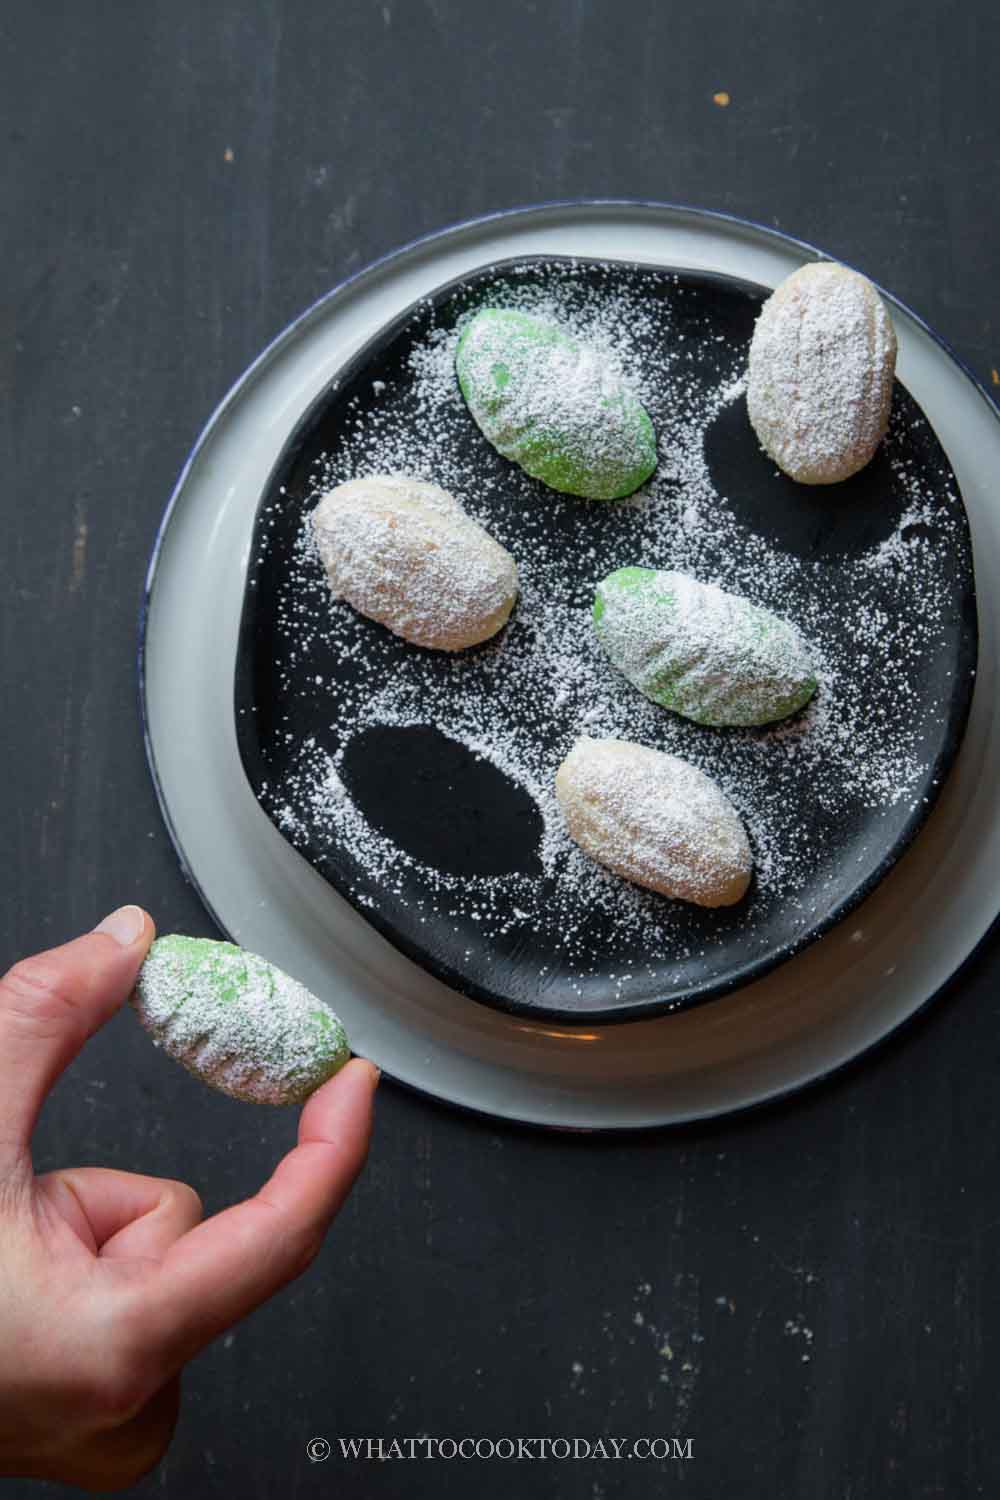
x=226, y=1266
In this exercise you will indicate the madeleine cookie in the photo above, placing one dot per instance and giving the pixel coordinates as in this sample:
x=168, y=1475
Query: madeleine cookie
x=237, y=1022
x=404, y=553
x=709, y=655
x=819, y=384
x=554, y=406
x=654, y=820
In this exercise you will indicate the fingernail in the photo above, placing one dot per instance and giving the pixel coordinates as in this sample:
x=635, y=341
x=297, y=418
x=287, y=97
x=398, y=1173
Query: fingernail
x=376, y=1070
x=125, y=925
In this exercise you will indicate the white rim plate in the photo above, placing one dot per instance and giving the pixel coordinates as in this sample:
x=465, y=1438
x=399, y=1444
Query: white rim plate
x=809, y=1017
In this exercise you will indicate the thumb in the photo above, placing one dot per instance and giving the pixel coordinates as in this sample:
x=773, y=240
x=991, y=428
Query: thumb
x=49, y=1005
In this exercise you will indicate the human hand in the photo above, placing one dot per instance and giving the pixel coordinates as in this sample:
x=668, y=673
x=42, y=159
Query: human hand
x=109, y=1282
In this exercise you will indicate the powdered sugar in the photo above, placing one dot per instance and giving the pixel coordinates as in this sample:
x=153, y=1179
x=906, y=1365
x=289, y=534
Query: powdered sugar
x=700, y=651
x=236, y=1021
x=559, y=408
x=855, y=754
x=654, y=819
x=821, y=367
x=406, y=554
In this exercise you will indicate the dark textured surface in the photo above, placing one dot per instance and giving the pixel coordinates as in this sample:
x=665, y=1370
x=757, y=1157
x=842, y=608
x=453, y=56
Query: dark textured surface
x=480, y=1281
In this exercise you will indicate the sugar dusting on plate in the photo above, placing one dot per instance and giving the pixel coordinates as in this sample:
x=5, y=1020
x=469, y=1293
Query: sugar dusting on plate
x=856, y=748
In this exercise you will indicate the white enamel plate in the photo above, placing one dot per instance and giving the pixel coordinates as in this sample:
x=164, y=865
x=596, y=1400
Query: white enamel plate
x=799, y=1023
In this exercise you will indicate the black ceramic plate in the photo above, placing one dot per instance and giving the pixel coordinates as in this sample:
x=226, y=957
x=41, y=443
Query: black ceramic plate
x=420, y=785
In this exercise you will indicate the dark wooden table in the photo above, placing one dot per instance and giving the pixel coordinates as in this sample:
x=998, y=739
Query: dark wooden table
x=808, y=1293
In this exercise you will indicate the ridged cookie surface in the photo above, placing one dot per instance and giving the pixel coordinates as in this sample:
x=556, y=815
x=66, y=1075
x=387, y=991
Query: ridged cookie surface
x=712, y=656
x=554, y=406
x=819, y=383
x=237, y=1022
x=405, y=553
x=655, y=820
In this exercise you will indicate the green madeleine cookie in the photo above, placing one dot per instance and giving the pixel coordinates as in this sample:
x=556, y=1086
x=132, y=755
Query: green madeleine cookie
x=237, y=1022
x=711, y=656
x=554, y=406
